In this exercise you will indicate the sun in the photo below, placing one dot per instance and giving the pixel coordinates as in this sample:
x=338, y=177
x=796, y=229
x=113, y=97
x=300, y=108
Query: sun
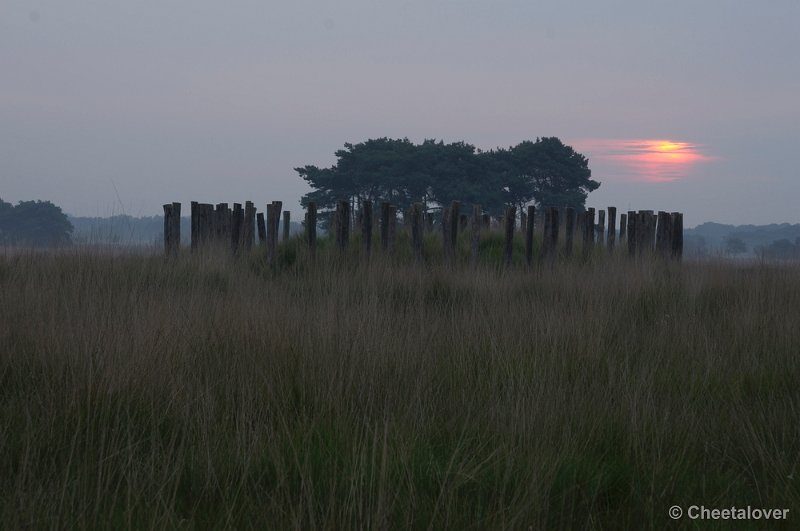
x=665, y=146
x=649, y=160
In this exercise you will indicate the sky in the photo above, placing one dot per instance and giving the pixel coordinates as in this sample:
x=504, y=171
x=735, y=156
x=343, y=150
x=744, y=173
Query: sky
x=111, y=107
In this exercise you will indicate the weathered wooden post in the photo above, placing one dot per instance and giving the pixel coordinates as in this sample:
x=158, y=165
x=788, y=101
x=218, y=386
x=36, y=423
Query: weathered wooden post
x=546, y=232
x=588, y=232
x=455, y=218
x=384, y=226
x=271, y=232
x=237, y=220
x=476, y=234
x=510, y=221
x=311, y=229
x=663, y=233
x=612, y=228
x=342, y=225
x=392, y=228
x=676, y=224
x=220, y=219
x=172, y=228
x=359, y=223
x=366, y=227
x=632, y=236
x=554, y=224
x=193, y=225
x=463, y=222
x=529, y=227
x=276, y=211
x=641, y=232
x=416, y=230
x=248, y=233
x=287, y=224
x=623, y=227
x=569, y=231
x=645, y=231
x=601, y=226
x=202, y=223
x=262, y=229
x=446, y=249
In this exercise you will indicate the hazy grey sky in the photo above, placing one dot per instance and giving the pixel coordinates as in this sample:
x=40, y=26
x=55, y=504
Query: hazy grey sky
x=108, y=106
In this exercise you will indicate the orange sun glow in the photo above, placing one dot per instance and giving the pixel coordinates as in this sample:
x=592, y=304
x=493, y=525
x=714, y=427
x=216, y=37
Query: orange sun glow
x=645, y=160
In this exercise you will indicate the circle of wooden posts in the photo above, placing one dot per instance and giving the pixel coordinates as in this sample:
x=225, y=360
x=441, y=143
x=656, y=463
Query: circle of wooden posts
x=643, y=232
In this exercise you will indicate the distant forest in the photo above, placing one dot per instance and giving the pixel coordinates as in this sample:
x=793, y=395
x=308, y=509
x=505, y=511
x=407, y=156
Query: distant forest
x=775, y=241
x=34, y=224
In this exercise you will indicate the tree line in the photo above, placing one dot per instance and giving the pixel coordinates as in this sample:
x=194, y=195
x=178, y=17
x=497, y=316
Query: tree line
x=544, y=172
x=34, y=223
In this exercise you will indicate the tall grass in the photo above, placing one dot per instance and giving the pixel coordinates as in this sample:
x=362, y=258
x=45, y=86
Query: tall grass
x=204, y=392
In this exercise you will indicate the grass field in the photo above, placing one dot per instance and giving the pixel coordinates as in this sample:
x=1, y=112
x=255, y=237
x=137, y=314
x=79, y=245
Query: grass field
x=207, y=393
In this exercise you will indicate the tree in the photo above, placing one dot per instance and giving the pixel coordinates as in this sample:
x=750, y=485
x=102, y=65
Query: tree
x=735, y=245
x=547, y=172
x=35, y=223
x=782, y=249
x=434, y=173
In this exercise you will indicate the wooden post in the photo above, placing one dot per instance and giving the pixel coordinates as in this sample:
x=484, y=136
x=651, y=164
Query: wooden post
x=529, y=227
x=392, y=228
x=262, y=229
x=645, y=232
x=248, y=232
x=218, y=214
x=446, y=249
x=202, y=238
x=569, y=231
x=553, y=246
x=237, y=220
x=476, y=233
x=486, y=220
x=546, y=232
x=676, y=224
x=342, y=225
x=510, y=221
x=463, y=221
x=366, y=227
x=211, y=224
x=588, y=232
x=276, y=211
x=311, y=229
x=194, y=225
x=172, y=228
x=601, y=226
x=416, y=230
x=454, y=221
x=663, y=233
x=272, y=231
x=612, y=228
x=384, y=226
x=632, y=237
x=623, y=227
x=287, y=224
